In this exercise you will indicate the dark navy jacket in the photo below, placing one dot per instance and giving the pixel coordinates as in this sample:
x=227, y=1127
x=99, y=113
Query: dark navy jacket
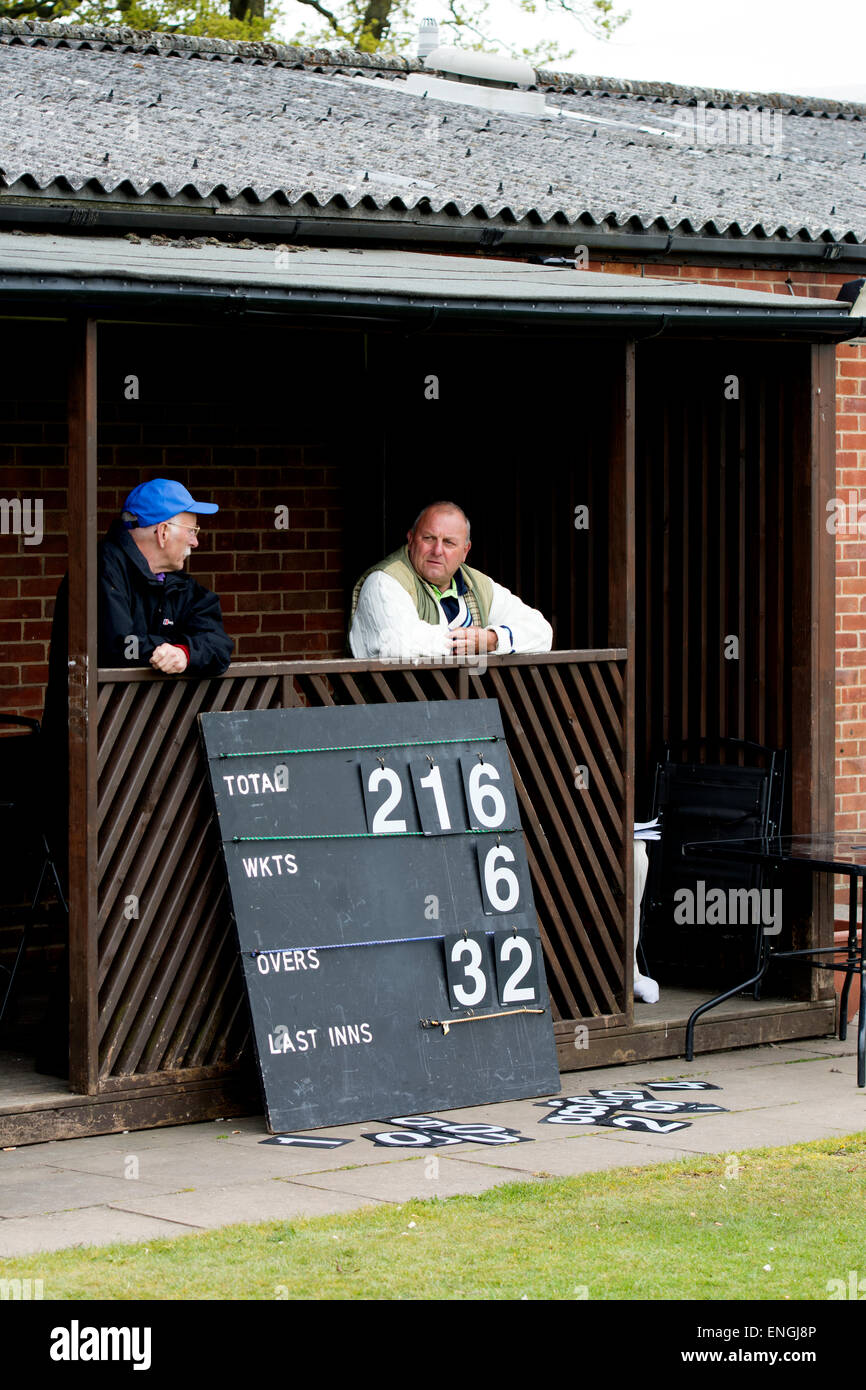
x=133, y=602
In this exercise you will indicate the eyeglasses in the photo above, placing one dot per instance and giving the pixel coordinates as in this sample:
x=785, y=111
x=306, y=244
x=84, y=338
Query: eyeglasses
x=191, y=530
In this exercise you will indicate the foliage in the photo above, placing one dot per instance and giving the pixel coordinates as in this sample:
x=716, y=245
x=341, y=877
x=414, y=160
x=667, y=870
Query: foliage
x=367, y=25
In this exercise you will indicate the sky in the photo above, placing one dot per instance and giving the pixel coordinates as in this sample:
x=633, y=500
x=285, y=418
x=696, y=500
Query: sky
x=748, y=45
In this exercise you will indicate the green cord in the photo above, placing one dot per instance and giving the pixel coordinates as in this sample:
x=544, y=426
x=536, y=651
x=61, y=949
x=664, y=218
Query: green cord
x=359, y=747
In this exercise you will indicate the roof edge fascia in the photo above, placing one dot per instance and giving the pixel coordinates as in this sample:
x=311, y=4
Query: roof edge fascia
x=363, y=225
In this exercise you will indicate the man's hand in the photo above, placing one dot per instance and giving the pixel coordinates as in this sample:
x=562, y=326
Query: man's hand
x=468, y=640
x=168, y=659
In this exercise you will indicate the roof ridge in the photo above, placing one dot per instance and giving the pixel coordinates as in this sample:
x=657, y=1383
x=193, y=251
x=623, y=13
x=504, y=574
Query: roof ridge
x=675, y=92
x=298, y=56
x=141, y=40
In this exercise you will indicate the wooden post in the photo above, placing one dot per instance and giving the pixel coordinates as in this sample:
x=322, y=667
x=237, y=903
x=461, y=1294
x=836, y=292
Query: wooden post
x=813, y=707
x=621, y=622
x=83, y=1073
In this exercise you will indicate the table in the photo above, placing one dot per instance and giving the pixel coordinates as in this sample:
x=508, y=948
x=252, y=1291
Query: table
x=820, y=853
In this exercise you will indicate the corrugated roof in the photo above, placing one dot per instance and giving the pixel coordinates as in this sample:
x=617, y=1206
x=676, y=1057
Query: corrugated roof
x=258, y=130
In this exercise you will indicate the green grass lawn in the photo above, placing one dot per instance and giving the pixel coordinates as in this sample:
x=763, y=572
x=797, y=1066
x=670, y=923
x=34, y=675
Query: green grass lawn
x=789, y=1221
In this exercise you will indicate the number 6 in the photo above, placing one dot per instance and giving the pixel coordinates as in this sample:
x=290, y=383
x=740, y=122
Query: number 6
x=479, y=794
x=494, y=878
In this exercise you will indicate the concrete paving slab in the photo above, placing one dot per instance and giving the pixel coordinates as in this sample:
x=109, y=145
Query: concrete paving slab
x=39, y=1190
x=753, y=1130
x=406, y=1179
x=586, y=1153
x=87, y=1226
x=272, y=1200
x=211, y=1164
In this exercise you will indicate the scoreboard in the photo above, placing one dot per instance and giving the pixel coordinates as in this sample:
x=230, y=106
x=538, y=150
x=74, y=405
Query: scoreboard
x=384, y=909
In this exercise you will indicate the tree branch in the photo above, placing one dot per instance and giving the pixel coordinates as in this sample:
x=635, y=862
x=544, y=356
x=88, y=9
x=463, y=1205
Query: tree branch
x=326, y=14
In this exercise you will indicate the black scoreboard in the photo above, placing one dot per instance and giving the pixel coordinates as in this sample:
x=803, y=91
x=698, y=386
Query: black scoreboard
x=384, y=909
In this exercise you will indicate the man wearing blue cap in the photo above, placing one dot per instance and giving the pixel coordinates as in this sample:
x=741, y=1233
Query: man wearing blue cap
x=150, y=611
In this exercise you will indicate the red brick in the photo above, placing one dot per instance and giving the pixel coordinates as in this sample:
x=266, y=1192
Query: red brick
x=20, y=608
x=309, y=642
x=30, y=562
x=284, y=581
x=282, y=622
x=260, y=562
x=301, y=603
x=257, y=603
x=282, y=540
x=35, y=674
x=22, y=651
x=16, y=698
x=259, y=646
x=242, y=622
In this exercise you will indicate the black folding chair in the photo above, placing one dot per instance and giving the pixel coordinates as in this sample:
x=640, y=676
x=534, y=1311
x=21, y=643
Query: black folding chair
x=698, y=800
x=20, y=764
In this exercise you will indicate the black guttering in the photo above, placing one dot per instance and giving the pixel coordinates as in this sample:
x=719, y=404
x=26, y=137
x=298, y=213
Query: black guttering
x=104, y=294
x=431, y=229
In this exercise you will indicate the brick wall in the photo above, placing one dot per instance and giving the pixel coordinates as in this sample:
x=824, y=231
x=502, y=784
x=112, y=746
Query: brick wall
x=32, y=466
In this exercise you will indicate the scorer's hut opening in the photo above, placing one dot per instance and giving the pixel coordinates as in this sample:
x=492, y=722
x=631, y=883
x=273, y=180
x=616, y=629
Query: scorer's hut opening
x=611, y=480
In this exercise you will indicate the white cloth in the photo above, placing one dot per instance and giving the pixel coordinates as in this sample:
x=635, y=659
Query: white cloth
x=386, y=626
x=645, y=989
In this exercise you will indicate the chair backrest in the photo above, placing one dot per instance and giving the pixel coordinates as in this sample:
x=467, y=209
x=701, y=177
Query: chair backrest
x=736, y=799
x=20, y=763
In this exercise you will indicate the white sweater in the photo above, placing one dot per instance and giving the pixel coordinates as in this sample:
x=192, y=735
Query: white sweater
x=386, y=626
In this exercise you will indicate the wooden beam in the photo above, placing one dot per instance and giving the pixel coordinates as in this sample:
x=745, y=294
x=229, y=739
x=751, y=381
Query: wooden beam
x=82, y=707
x=813, y=708
x=621, y=623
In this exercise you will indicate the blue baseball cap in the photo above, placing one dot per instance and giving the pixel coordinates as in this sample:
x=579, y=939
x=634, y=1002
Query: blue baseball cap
x=158, y=500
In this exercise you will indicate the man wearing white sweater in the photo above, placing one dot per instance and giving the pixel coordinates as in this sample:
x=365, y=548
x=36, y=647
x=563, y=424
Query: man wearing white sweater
x=423, y=602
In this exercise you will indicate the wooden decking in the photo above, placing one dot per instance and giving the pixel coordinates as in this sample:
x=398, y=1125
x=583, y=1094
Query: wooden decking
x=659, y=1030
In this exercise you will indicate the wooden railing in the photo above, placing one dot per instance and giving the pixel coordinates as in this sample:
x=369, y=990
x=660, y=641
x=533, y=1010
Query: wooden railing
x=170, y=989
